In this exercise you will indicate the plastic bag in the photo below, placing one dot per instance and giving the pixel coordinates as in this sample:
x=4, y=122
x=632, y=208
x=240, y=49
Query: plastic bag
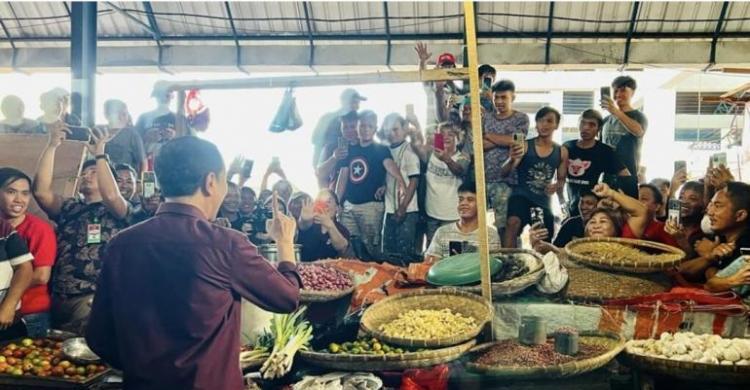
x=198, y=114
x=435, y=378
x=287, y=116
x=555, y=275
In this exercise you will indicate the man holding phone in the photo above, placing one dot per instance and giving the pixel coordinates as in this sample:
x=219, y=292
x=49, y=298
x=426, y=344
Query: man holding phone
x=624, y=128
x=167, y=306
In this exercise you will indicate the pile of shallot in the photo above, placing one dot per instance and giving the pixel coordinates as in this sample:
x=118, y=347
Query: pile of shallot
x=317, y=277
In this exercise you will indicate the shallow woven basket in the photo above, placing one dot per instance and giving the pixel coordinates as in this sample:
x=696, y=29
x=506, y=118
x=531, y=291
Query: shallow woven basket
x=518, y=284
x=352, y=362
x=700, y=372
x=591, y=285
x=310, y=296
x=644, y=264
x=614, y=344
x=388, y=309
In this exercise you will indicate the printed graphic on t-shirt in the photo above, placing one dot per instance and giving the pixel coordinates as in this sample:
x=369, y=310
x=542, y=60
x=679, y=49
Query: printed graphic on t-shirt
x=538, y=176
x=578, y=167
x=358, y=170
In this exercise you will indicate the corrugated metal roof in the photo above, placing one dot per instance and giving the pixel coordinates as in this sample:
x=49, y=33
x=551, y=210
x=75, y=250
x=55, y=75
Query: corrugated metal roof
x=357, y=20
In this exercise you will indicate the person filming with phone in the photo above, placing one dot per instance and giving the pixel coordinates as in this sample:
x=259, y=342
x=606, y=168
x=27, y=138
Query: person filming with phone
x=167, y=306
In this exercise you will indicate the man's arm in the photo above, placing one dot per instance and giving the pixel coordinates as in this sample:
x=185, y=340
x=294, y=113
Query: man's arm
x=411, y=189
x=630, y=124
x=562, y=174
x=457, y=168
x=637, y=212
x=48, y=200
x=393, y=170
x=328, y=166
x=516, y=155
x=111, y=196
x=100, y=331
x=499, y=139
x=342, y=182
x=22, y=273
x=719, y=284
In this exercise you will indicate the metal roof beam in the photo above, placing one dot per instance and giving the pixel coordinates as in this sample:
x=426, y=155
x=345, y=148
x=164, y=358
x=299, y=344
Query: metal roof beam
x=237, y=48
x=152, y=20
x=9, y=38
x=550, y=22
x=135, y=20
x=399, y=37
x=389, y=43
x=717, y=33
x=631, y=30
x=67, y=8
x=311, y=59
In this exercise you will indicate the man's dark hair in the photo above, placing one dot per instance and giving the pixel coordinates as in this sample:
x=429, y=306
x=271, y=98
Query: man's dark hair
x=183, y=164
x=126, y=167
x=468, y=186
x=486, y=68
x=349, y=117
x=658, y=197
x=247, y=190
x=694, y=186
x=504, y=85
x=739, y=195
x=624, y=81
x=587, y=193
x=593, y=115
x=10, y=175
x=547, y=110
x=92, y=163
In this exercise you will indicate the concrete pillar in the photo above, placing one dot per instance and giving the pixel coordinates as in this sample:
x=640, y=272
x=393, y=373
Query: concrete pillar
x=83, y=60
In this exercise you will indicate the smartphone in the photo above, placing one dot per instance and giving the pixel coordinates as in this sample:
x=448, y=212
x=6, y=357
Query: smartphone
x=79, y=134
x=439, y=141
x=537, y=216
x=247, y=168
x=519, y=139
x=343, y=143
x=605, y=91
x=409, y=110
x=673, y=214
x=680, y=164
x=719, y=159
x=148, y=183
x=487, y=83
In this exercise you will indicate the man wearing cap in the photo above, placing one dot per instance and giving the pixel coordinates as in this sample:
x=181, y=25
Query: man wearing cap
x=327, y=131
x=440, y=93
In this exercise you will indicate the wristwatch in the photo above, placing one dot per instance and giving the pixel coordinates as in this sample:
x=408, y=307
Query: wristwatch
x=104, y=156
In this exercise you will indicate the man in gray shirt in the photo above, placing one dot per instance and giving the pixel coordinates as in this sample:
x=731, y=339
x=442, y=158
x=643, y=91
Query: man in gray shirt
x=624, y=128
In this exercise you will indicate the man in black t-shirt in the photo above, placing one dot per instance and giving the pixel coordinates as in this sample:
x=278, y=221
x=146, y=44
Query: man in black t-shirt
x=362, y=170
x=588, y=159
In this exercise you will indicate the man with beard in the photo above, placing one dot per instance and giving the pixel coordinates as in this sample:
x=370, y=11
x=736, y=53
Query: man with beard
x=729, y=213
x=692, y=210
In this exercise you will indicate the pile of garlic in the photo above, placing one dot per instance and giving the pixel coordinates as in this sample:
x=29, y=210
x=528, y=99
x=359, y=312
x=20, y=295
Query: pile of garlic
x=689, y=347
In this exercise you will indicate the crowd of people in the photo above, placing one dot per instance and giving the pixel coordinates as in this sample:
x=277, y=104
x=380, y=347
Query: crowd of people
x=391, y=190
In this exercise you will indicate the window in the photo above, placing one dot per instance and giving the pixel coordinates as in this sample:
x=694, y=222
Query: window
x=697, y=135
x=529, y=107
x=576, y=102
x=694, y=103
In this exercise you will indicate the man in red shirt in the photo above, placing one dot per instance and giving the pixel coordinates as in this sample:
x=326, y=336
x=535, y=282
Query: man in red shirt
x=650, y=196
x=167, y=304
x=15, y=194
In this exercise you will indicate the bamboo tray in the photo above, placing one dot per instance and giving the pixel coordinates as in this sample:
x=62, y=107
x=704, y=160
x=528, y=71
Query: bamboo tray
x=690, y=371
x=592, y=285
x=388, y=309
x=614, y=343
x=313, y=296
x=648, y=262
x=352, y=362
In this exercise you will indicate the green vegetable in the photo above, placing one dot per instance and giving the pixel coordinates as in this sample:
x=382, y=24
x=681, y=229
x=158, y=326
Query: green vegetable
x=290, y=333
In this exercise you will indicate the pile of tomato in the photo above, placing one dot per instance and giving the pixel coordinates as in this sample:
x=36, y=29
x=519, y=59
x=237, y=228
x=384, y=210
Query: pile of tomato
x=43, y=358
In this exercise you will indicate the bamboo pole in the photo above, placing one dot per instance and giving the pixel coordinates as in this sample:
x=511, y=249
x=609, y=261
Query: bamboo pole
x=324, y=80
x=476, y=131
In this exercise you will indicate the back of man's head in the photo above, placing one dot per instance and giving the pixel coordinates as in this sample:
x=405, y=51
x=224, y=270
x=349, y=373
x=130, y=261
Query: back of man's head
x=183, y=164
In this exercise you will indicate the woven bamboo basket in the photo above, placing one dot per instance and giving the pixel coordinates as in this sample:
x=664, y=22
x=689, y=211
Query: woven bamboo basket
x=699, y=372
x=518, y=284
x=352, y=362
x=310, y=296
x=655, y=257
x=252, y=364
x=388, y=309
x=590, y=285
x=614, y=344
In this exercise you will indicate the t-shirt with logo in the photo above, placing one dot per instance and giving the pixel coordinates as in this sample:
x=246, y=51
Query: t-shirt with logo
x=42, y=242
x=408, y=163
x=441, y=198
x=626, y=145
x=535, y=173
x=366, y=172
x=586, y=165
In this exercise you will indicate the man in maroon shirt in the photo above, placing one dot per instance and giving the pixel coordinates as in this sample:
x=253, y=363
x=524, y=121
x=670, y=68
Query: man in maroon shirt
x=167, y=305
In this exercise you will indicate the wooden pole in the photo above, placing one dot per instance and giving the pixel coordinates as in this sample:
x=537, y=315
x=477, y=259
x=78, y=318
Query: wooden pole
x=476, y=131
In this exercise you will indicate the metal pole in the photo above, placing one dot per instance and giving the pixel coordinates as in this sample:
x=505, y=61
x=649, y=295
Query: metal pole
x=476, y=131
x=83, y=60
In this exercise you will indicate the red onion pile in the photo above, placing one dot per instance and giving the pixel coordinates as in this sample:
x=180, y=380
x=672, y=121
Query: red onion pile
x=323, y=278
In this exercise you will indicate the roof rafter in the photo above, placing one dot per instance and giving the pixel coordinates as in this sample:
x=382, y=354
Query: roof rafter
x=550, y=22
x=389, y=42
x=717, y=33
x=237, y=48
x=631, y=30
x=311, y=60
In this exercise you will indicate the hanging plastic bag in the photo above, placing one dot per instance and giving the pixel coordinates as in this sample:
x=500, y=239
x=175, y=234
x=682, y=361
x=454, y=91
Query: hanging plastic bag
x=555, y=275
x=287, y=116
x=198, y=114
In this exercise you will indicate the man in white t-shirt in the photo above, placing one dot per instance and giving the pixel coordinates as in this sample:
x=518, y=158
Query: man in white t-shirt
x=461, y=236
x=401, y=210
